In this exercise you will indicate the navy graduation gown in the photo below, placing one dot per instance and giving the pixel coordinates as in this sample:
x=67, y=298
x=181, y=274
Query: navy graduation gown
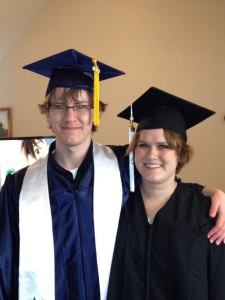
x=76, y=275
x=76, y=272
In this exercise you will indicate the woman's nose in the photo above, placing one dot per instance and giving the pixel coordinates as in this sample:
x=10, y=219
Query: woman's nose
x=152, y=152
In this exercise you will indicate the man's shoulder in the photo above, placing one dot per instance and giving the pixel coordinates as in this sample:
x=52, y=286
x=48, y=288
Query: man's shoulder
x=13, y=182
x=18, y=175
x=118, y=150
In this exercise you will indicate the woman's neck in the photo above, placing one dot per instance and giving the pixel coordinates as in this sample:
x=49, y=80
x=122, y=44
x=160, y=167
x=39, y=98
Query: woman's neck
x=155, y=197
x=157, y=192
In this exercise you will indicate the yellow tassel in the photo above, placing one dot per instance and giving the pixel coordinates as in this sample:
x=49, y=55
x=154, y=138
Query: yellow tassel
x=96, y=92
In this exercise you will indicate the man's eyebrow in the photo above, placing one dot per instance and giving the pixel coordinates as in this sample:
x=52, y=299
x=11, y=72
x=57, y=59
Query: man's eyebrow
x=81, y=101
x=64, y=101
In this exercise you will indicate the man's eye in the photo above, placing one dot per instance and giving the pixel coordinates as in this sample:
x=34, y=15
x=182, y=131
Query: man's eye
x=60, y=106
x=80, y=106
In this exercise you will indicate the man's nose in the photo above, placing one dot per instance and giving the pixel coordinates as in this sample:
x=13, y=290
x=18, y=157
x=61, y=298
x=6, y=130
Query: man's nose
x=71, y=113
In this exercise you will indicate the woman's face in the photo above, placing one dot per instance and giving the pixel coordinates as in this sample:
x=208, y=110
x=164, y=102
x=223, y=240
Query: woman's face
x=154, y=160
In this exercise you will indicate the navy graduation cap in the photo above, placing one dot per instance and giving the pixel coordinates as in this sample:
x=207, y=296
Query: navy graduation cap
x=73, y=69
x=158, y=109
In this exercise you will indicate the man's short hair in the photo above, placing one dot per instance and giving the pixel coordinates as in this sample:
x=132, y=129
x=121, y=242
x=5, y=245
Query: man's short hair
x=67, y=93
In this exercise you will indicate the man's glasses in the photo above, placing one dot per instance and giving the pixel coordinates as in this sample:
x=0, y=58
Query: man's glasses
x=62, y=108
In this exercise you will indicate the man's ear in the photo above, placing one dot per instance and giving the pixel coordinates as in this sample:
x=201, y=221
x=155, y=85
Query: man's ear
x=100, y=113
x=47, y=114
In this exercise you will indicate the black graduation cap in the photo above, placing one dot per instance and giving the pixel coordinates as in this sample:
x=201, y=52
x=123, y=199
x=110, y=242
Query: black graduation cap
x=159, y=109
x=71, y=69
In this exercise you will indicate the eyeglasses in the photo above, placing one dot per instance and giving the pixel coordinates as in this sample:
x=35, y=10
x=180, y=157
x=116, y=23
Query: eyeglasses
x=62, y=108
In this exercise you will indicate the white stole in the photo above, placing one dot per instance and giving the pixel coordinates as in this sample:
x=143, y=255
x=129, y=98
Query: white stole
x=36, y=267
x=107, y=207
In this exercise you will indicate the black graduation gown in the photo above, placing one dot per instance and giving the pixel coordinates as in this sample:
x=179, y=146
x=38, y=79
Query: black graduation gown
x=170, y=259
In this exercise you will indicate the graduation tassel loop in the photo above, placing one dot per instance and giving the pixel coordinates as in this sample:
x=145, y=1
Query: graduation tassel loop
x=96, y=70
x=131, y=154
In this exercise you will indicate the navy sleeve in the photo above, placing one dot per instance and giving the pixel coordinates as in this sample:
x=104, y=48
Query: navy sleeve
x=9, y=236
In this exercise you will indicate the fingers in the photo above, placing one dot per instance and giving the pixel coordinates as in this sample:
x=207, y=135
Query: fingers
x=214, y=208
x=218, y=237
x=217, y=233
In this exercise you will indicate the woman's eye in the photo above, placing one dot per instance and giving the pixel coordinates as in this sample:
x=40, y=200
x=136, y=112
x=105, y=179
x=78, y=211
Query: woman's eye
x=142, y=145
x=163, y=147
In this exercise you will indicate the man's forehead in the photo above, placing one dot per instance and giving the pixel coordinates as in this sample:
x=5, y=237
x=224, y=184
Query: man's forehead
x=64, y=95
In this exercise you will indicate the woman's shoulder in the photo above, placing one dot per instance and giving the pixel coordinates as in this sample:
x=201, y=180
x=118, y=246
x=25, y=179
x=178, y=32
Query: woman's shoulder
x=192, y=204
x=187, y=191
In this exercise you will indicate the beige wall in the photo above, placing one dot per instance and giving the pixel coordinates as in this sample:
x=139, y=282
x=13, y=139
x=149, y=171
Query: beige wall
x=175, y=45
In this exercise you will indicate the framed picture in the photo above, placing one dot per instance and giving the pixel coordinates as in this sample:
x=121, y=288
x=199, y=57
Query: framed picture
x=5, y=123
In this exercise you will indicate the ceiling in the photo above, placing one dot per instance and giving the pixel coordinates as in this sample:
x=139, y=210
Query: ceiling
x=16, y=16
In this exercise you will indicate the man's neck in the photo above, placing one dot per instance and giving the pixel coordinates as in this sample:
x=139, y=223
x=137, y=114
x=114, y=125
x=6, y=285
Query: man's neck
x=71, y=157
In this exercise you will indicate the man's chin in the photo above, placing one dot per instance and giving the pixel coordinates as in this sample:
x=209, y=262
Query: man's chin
x=74, y=141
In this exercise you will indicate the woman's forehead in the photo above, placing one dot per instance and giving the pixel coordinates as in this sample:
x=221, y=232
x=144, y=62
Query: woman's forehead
x=151, y=133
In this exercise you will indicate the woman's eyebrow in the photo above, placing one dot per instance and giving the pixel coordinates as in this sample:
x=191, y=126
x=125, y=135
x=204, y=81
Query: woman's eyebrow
x=141, y=142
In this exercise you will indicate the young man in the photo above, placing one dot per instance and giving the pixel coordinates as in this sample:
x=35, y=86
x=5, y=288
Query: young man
x=59, y=217
x=61, y=225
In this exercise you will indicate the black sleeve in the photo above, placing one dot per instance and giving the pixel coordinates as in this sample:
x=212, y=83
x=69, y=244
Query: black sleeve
x=196, y=186
x=217, y=272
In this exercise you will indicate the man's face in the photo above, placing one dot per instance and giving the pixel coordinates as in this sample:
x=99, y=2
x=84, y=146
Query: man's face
x=72, y=128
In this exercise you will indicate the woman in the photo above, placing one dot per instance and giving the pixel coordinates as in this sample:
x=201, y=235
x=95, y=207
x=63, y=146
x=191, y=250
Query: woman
x=162, y=251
